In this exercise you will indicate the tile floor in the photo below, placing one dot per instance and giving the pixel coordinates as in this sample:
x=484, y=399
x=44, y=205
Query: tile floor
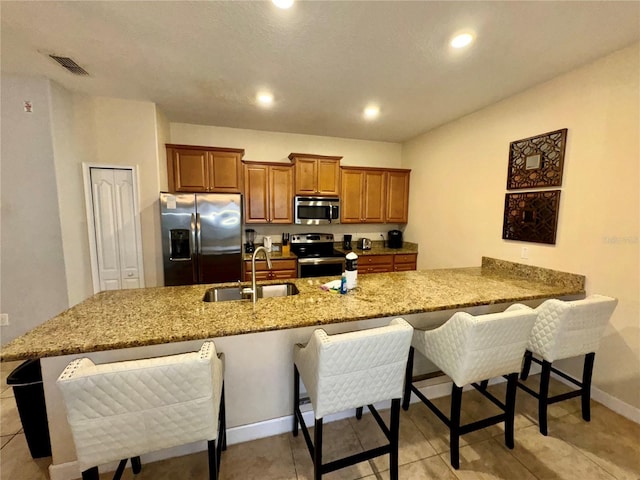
x=606, y=448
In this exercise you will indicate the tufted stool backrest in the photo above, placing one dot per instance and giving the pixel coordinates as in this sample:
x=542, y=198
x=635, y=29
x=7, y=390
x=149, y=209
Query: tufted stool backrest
x=473, y=348
x=353, y=369
x=565, y=329
x=125, y=409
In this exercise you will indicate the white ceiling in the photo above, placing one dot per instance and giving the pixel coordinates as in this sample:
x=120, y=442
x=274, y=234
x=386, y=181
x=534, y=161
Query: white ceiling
x=203, y=62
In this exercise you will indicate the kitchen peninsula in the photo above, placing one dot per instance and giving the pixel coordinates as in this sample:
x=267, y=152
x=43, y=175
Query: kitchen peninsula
x=258, y=342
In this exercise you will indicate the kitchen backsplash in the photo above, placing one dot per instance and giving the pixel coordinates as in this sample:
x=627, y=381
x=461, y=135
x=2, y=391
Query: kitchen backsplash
x=371, y=231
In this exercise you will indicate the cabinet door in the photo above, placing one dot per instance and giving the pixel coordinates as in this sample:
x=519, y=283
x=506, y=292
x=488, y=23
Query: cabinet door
x=225, y=175
x=306, y=175
x=190, y=170
x=328, y=182
x=374, y=196
x=352, y=188
x=280, y=194
x=256, y=199
x=397, y=197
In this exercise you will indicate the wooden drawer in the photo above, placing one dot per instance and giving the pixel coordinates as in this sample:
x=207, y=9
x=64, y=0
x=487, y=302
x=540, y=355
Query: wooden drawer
x=406, y=258
x=365, y=260
x=404, y=267
x=376, y=269
x=271, y=275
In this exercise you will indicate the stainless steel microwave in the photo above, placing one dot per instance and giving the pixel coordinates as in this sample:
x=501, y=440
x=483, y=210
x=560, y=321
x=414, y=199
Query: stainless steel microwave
x=316, y=210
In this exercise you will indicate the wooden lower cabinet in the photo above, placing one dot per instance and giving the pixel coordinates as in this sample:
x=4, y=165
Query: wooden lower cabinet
x=404, y=262
x=282, y=270
x=375, y=264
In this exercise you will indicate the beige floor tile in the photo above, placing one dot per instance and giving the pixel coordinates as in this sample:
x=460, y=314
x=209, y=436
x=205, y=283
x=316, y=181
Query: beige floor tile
x=5, y=439
x=16, y=462
x=437, y=432
x=425, y=469
x=412, y=445
x=9, y=418
x=6, y=391
x=489, y=460
x=265, y=459
x=552, y=457
x=187, y=467
x=339, y=440
x=608, y=440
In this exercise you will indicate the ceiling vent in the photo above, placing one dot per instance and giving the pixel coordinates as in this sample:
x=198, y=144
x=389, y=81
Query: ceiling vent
x=70, y=65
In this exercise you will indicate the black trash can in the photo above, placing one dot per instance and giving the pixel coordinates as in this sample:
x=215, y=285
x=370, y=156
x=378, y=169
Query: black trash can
x=26, y=380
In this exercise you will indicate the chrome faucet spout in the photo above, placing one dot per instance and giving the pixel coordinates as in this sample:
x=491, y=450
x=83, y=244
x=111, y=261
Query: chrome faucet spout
x=254, y=288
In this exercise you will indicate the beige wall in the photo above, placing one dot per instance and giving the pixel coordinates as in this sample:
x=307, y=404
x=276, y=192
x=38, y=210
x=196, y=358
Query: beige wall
x=276, y=147
x=32, y=269
x=458, y=183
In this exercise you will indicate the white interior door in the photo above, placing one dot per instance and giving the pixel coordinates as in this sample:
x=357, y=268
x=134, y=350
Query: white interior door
x=116, y=228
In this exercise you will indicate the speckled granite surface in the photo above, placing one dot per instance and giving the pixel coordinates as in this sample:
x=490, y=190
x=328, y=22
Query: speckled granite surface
x=150, y=316
x=378, y=248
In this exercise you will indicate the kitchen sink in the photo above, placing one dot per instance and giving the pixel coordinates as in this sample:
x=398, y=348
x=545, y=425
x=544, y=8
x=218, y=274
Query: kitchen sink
x=226, y=294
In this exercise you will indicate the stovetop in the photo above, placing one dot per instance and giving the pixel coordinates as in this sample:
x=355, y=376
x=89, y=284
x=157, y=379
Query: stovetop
x=313, y=245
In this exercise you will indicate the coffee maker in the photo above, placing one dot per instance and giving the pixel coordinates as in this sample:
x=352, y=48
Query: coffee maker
x=346, y=242
x=250, y=235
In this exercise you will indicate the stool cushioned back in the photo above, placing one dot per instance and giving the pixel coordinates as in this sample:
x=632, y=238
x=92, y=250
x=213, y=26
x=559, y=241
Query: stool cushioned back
x=568, y=329
x=470, y=349
x=353, y=369
x=123, y=409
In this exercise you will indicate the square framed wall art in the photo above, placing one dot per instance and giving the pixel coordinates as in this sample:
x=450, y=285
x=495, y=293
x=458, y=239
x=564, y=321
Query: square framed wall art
x=537, y=161
x=531, y=216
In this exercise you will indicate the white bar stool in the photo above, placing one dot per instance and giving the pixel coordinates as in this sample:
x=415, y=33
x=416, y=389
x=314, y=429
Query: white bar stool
x=469, y=350
x=564, y=330
x=347, y=371
x=126, y=409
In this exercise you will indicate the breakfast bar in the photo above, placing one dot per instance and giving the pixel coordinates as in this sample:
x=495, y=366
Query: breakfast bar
x=258, y=340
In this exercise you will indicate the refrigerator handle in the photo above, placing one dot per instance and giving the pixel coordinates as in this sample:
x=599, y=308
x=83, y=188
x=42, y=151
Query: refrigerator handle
x=199, y=246
x=192, y=244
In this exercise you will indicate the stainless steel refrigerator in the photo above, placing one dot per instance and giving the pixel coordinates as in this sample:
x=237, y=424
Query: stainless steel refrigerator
x=201, y=237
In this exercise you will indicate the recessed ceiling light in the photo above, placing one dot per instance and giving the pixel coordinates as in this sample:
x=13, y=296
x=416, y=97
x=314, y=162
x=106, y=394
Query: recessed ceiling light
x=461, y=40
x=284, y=4
x=371, y=112
x=264, y=98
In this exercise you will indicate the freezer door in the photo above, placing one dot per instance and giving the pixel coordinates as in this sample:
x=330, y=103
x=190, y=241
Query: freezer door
x=178, y=221
x=219, y=237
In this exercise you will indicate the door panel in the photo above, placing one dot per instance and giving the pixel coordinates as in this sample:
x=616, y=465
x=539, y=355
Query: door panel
x=106, y=235
x=190, y=170
x=127, y=238
x=281, y=194
x=177, y=239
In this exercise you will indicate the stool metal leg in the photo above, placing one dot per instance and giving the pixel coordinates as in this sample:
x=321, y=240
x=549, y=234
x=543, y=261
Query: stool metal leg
x=91, y=474
x=454, y=426
x=543, y=399
x=394, y=431
x=213, y=459
x=296, y=399
x=510, y=409
x=136, y=466
x=526, y=365
x=359, y=412
x=408, y=380
x=586, y=385
x=317, y=450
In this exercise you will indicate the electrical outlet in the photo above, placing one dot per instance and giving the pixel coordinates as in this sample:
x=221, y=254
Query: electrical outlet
x=4, y=319
x=524, y=253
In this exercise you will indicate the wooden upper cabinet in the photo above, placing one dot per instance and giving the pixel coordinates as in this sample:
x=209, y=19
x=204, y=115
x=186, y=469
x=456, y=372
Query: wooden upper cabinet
x=362, y=195
x=397, y=210
x=268, y=193
x=204, y=169
x=374, y=195
x=189, y=169
x=316, y=175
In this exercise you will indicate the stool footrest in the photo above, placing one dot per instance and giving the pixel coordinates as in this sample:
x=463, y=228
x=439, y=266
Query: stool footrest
x=356, y=458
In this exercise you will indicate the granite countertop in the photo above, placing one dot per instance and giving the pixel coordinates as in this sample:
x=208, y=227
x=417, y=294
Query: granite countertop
x=379, y=248
x=150, y=316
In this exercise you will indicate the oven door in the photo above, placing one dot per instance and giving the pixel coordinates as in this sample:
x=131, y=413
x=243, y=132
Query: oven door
x=320, y=267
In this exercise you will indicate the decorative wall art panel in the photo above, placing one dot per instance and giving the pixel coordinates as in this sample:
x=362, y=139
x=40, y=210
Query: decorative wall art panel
x=531, y=216
x=537, y=161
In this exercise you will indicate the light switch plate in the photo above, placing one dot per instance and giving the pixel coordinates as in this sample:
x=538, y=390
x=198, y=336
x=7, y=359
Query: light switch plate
x=4, y=319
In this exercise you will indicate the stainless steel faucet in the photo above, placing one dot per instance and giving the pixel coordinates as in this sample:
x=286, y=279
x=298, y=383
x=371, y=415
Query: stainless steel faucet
x=253, y=291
